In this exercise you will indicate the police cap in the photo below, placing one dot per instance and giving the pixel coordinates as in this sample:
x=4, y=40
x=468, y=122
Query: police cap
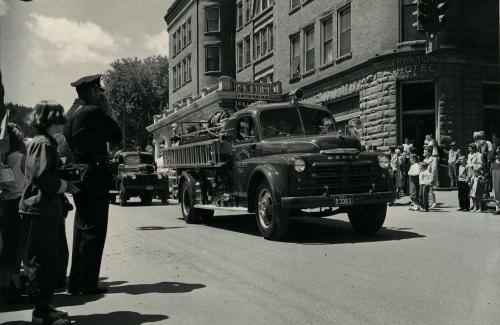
x=93, y=80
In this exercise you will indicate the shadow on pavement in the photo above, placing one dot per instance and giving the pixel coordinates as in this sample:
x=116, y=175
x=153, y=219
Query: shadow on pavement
x=310, y=231
x=161, y=287
x=114, y=318
x=157, y=228
x=117, y=318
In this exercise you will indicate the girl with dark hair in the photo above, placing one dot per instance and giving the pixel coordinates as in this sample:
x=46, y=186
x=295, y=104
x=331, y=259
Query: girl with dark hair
x=42, y=209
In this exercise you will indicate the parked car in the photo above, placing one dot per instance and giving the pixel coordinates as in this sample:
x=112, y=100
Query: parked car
x=134, y=175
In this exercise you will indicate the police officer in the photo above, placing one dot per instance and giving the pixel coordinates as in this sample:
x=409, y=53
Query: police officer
x=87, y=131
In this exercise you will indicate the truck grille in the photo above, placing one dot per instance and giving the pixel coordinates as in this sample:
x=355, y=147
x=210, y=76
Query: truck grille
x=342, y=177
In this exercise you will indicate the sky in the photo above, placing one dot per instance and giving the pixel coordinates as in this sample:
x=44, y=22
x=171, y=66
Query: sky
x=47, y=44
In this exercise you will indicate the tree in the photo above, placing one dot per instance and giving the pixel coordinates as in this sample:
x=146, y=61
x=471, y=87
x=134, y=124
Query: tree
x=18, y=114
x=137, y=90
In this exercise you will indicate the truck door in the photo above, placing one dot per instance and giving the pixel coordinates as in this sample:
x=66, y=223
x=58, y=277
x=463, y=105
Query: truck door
x=245, y=141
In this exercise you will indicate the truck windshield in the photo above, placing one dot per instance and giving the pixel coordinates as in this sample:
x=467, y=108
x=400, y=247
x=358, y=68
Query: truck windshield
x=281, y=122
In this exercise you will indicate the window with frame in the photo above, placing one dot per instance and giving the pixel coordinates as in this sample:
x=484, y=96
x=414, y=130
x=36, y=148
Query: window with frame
x=247, y=10
x=184, y=35
x=174, y=38
x=212, y=19
x=184, y=71
x=179, y=75
x=179, y=47
x=189, y=30
x=256, y=7
x=309, y=49
x=265, y=4
x=248, y=57
x=239, y=15
x=263, y=37
x=294, y=4
x=212, y=59
x=270, y=32
x=174, y=77
x=327, y=41
x=295, y=56
x=240, y=55
x=256, y=46
x=344, y=31
x=188, y=63
x=408, y=31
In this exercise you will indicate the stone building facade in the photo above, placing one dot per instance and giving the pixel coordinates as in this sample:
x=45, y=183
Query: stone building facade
x=367, y=64
x=201, y=46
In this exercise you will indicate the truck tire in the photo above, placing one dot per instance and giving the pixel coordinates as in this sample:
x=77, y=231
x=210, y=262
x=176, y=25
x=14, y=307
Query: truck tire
x=112, y=199
x=122, y=196
x=367, y=219
x=272, y=221
x=189, y=213
x=146, y=198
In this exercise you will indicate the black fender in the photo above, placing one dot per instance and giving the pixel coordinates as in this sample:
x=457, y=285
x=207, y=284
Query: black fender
x=276, y=179
x=185, y=177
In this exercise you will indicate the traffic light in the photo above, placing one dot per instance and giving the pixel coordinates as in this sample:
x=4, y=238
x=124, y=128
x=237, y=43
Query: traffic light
x=424, y=14
x=441, y=17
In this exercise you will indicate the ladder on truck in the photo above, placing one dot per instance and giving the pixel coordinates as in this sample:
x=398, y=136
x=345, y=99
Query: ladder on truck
x=199, y=154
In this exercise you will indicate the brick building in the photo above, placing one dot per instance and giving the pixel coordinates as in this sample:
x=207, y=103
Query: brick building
x=367, y=63
x=201, y=38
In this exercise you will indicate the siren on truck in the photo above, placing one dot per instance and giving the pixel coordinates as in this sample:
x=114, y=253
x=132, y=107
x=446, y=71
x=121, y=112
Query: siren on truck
x=296, y=94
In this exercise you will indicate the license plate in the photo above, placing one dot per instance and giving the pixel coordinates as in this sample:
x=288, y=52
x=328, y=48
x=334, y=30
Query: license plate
x=342, y=200
x=149, y=188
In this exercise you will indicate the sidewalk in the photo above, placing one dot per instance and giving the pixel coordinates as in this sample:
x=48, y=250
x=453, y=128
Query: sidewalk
x=447, y=199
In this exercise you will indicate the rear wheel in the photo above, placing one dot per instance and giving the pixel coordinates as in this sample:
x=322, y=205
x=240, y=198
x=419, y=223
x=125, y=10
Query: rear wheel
x=189, y=213
x=122, y=196
x=367, y=219
x=273, y=221
x=146, y=198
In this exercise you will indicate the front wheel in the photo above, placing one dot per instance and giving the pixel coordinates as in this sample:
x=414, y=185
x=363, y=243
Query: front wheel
x=273, y=221
x=189, y=213
x=146, y=198
x=367, y=219
x=163, y=196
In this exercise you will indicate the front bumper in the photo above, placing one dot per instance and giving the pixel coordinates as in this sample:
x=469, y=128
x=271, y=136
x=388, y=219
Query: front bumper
x=307, y=202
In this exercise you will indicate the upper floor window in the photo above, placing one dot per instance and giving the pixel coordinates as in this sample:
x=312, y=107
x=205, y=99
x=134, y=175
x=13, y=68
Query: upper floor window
x=189, y=30
x=184, y=71
x=213, y=19
x=247, y=10
x=240, y=55
x=294, y=4
x=212, y=59
x=263, y=41
x=248, y=57
x=239, y=15
x=184, y=35
x=174, y=38
x=294, y=56
x=174, y=77
x=408, y=31
x=309, y=48
x=345, y=31
x=179, y=40
x=327, y=41
x=188, y=63
x=265, y=4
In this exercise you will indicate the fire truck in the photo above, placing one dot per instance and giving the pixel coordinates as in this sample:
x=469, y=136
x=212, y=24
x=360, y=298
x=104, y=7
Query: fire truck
x=278, y=161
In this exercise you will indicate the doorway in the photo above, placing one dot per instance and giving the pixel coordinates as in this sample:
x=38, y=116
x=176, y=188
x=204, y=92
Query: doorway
x=418, y=112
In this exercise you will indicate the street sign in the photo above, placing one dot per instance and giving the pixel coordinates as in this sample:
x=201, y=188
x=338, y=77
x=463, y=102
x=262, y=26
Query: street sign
x=431, y=43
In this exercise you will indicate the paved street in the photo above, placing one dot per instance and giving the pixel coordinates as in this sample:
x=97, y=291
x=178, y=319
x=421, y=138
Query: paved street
x=441, y=267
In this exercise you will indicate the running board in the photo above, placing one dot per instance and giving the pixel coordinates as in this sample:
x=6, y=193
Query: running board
x=214, y=207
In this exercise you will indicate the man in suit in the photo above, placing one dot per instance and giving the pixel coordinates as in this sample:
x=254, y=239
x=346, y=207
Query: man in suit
x=87, y=131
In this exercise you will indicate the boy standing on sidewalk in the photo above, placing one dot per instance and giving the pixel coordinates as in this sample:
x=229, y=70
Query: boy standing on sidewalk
x=464, y=175
x=425, y=181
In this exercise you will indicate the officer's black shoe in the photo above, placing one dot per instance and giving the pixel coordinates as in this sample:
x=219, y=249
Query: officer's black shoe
x=46, y=315
x=87, y=291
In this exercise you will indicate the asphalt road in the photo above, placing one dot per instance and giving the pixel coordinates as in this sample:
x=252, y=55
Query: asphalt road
x=441, y=267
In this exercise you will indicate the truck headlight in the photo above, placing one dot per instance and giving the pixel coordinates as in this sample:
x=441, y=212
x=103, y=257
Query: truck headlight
x=299, y=165
x=133, y=176
x=384, y=162
x=159, y=176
